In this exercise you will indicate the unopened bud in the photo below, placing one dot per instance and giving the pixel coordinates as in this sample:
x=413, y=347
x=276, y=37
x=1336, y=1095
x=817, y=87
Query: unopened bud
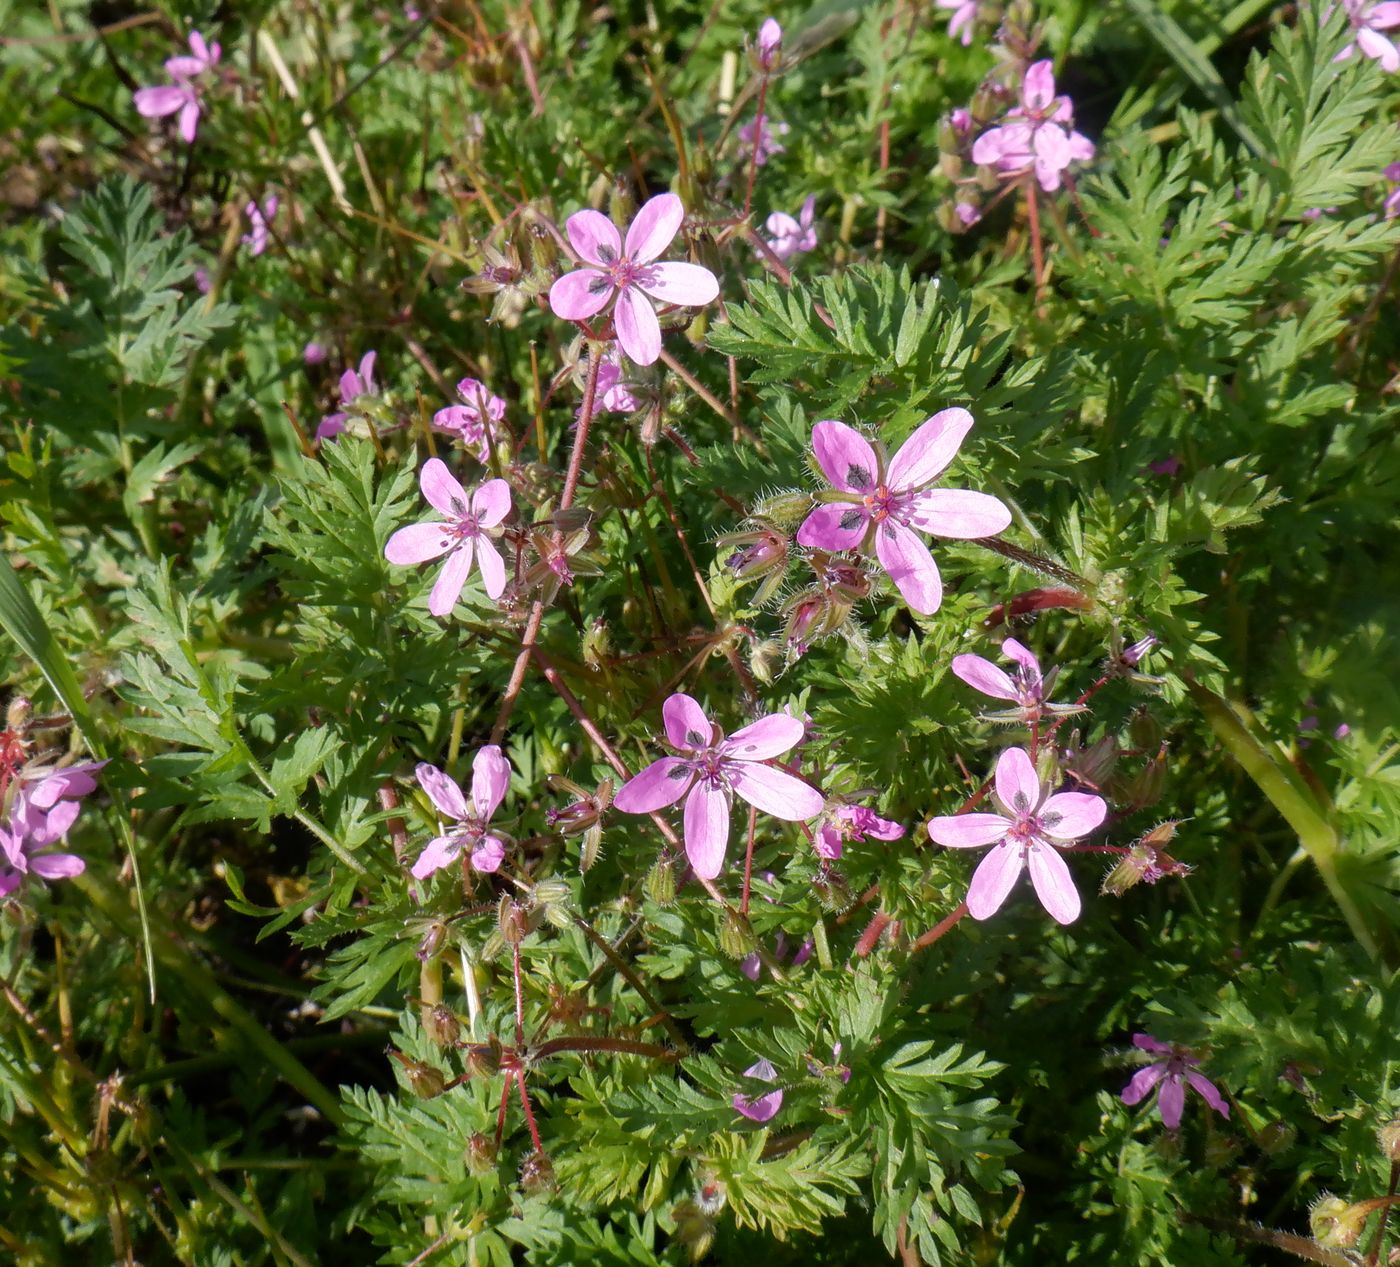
x=1336, y=1224
x=1277, y=1137
x=766, y=659
x=441, y=1025
x=432, y=941
x=1132, y=655
x=695, y=1229
x=18, y=713
x=512, y=921
x=758, y=553
x=537, y=1173
x=768, y=50
x=1145, y=730
x=1388, y=1137
x=1094, y=764
x=597, y=644
x=423, y=1080
x=784, y=510
x=660, y=883
x=736, y=937
x=832, y=889
x=480, y=1155
x=622, y=202
x=484, y=1059
x=1145, y=787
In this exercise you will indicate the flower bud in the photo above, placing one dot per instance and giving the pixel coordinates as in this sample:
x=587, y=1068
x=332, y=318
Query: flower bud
x=769, y=47
x=660, y=882
x=597, y=644
x=695, y=1229
x=1094, y=764
x=423, y=1080
x=1143, y=788
x=766, y=659
x=758, y=553
x=480, y=1155
x=1336, y=1224
x=1132, y=655
x=537, y=1173
x=784, y=510
x=432, y=941
x=736, y=937
x=1276, y=1138
x=832, y=889
x=484, y=1059
x=1388, y=1137
x=512, y=921
x=441, y=1025
x=18, y=713
x=1145, y=730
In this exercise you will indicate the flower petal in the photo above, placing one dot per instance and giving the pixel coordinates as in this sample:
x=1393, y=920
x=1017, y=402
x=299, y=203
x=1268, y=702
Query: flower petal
x=834, y=526
x=956, y=512
x=662, y=783
x=594, y=237
x=967, y=831
x=581, y=294
x=1377, y=46
x=63, y=866
x=1054, y=885
x=774, y=791
x=418, y=543
x=1070, y=815
x=761, y=1108
x=767, y=737
x=1171, y=1099
x=845, y=456
x=993, y=879
x=1142, y=1082
x=638, y=330
x=827, y=842
x=490, y=780
x=447, y=589
x=491, y=503
x=687, y=727
x=1022, y=655
x=1018, y=788
x=442, y=489
x=910, y=565
x=658, y=221
x=1204, y=1086
x=706, y=828
x=1384, y=16
x=488, y=855
x=64, y=784
x=690, y=285
x=1038, y=87
x=1145, y=1042
x=189, y=121
x=156, y=103
x=442, y=790
x=982, y=675
x=440, y=852
x=928, y=452
x=493, y=568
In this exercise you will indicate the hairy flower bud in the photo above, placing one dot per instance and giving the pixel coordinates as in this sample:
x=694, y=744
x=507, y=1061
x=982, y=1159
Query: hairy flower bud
x=441, y=1025
x=537, y=1173
x=1388, y=1137
x=1143, y=788
x=695, y=1229
x=512, y=921
x=480, y=1154
x=484, y=1059
x=17, y=715
x=785, y=510
x=423, y=1080
x=1145, y=730
x=432, y=941
x=1276, y=1138
x=1146, y=861
x=736, y=937
x=597, y=644
x=1336, y=1224
x=832, y=889
x=660, y=882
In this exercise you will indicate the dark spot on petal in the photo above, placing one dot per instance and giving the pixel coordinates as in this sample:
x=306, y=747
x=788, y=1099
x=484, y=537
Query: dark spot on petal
x=858, y=476
x=599, y=284
x=852, y=519
x=458, y=505
x=1050, y=820
x=1021, y=803
x=606, y=253
x=678, y=772
x=695, y=739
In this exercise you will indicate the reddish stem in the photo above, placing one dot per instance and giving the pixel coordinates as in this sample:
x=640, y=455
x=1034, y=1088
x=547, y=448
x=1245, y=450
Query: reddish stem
x=519, y=996
x=748, y=862
x=878, y=923
x=1037, y=252
x=529, y=1112
x=940, y=928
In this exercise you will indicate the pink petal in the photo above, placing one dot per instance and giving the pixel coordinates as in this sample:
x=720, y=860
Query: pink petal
x=1383, y=16
x=967, y=831
x=440, y=852
x=638, y=330
x=493, y=568
x=1145, y=1042
x=1142, y=1082
x=1023, y=656
x=367, y=372
x=491, y=503
x=982, y=675
x=1207, y=1089
x=687, y=727
x=594, y=237
x=189, y=121
x=55, y=823
x=581, y=294
x=63, y=784
x=993, y=879
x=1375, y=45
x=782, y=225
x=688, y=284
x=662, y=783
x=490, y=780
x=845, y=456
x=827, y=843
x=447, y=589
x=63, y=866
x=418, y=543
x=442, y=489
x=350, y=387
x=156, y=103
x=1007, y=146
x=442, y=790
x=871, y=824
x=488, y=854
x=1018, y=788
x=956, y=512
x=184, y=66
x=1081, y=148
x=767, y=737
x=706, y=828
x=200, y=49
x=926, y=454
x=775, y=791
x=910, y=565
x=834, y=526
x=1054, y=885
x=1070, y=815
x=1171, y=1099
x=1038, y=88
x=1051, y=145
x=651, y=232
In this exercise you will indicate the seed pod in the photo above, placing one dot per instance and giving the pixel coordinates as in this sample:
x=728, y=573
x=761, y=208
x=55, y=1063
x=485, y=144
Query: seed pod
x=423, y=1080
x=441, y=1025
x=1336, y=1224
x=537, y=1173
x=736, y=937
x=511, y=920
x=1388, y=1137
x=832, y=888
x=480, y=1154
x=660, y=884
x=484, y=1059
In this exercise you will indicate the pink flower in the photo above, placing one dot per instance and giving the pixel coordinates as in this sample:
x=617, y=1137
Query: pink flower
x=259, y=218
x=786, y=236
x=473, y=421
x=181, y=97
x=851, y=822
x=712, y=770
x=1172, y=1073
x=1041, y=138
x=762, y=136
x=1368, y=21
x=889, y=500
x=967, y=214
x=770, y=38
x=40, y=815
x=490, y=781
x=964, y=15
x=1025, y=686
x=760, y=1108
x=1392, y=198
x=462, y=534
x=353, y=385
x=613, y=390
x=1028, y=833
x=313, y=353
x=628, y=275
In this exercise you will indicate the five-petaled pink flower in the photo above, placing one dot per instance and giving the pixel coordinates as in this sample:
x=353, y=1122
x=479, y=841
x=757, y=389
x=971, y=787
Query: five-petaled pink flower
x=182, y=96
x=760, y=1108
x=1029, y=833
x=353, y=385
x=473, y=421
x=259, y=218
x=1170, y=1076
x=1368, y=21
x=964, y=15
x=630, y=275
x=786, y=236
x=1041, y=136
x=462, y=534
x=1025, y=686
x=490, y=781
x=41, y=814
x=851, y=822
x=890, y=500
x=713, y=770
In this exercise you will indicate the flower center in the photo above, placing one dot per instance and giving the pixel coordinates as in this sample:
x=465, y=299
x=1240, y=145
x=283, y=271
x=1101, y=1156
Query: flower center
x=882, y=504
